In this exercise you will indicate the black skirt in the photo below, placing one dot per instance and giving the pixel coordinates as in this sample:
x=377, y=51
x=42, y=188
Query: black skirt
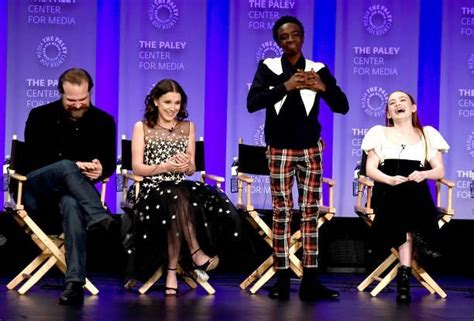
x=403, y=208
x=165, y=207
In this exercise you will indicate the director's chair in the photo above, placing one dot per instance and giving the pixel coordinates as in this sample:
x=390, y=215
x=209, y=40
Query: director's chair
x=387, y=270
x=51, y=246
x=128, y=176
x=252, y=161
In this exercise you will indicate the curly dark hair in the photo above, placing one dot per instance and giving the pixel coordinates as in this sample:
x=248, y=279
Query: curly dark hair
x=161, y=88
x=280, y=22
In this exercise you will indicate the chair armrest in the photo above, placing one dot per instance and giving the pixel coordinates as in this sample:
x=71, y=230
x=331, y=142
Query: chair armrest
x=244, y=178
x=331, y=182
x=9, y=203
x=103, y=190
x=364, y=180
x=366, y=211
x=445, y=212
x=131, y=176
x=215, y=178
x=18, y=177
x=218, y=180
x=241, y=179
x=446, y=182
x=330, y=208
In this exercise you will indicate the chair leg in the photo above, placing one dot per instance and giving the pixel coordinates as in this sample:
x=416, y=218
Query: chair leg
x=428, y=282
x=152, y=280
x=258, y=273
x=38, y=275
x=27, y=271
x=263, y=279
x=375, y=275
x=385, y=281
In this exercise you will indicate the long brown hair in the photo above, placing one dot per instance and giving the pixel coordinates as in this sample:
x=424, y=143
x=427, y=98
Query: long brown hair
x=150, y=118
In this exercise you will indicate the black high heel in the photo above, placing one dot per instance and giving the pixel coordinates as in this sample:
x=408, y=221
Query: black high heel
x=210, y=265
x=167, y=288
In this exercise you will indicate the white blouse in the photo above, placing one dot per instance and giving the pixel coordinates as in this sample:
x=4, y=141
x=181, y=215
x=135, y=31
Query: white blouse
x=385, y=149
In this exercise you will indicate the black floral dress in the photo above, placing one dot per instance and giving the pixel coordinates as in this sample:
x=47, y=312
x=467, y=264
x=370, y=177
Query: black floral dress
x=170, y=208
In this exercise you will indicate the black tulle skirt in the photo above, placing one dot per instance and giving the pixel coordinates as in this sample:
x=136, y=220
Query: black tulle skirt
x=407, y=207
x=175, y=208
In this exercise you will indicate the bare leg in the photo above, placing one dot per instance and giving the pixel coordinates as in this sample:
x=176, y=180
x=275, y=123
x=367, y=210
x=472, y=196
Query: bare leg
x=198, y=257
x=405, y=251
x=174, y=245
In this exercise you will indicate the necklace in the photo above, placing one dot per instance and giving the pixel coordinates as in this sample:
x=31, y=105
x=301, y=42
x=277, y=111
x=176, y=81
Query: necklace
x=170, y=129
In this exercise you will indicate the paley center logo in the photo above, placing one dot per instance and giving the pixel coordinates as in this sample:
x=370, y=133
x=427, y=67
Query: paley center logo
x=163, y=14
x=470, y=144
x=268, y=49
x=378, y=20
x=470, y=63
x=51, y=51
x=374, y=100
x=259, y=136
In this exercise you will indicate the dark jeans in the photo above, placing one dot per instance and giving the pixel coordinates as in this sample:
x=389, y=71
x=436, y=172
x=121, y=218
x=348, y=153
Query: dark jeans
x=79, y=203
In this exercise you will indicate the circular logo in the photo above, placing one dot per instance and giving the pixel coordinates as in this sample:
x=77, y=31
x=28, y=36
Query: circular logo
x=374, y=100
x=259, y=136
x=470, y=144
x=377, y=20
x=471, y=63
x=163, y=14
x=51, y=51
x=268, y=49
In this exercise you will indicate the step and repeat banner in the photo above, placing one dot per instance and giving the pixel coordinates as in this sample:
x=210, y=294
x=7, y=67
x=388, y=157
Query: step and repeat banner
x=456, y=116
x=44, y=39
x=376, y=53
x=251, y=40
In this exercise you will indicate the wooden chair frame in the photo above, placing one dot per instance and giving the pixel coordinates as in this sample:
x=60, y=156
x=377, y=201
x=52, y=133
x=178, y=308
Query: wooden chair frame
x=387, y=270
x=260, y=276
x=128, y=176
x=52, y=247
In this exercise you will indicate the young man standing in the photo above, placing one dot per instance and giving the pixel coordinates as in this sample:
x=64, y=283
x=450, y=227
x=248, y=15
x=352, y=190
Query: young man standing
x=289, y=88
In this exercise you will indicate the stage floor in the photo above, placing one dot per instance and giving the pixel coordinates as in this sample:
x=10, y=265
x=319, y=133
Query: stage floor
x=230, y=303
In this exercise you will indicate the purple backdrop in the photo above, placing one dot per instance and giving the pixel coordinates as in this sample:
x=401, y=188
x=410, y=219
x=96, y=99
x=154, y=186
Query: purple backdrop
x=457, y=100
x=223, y=41
x=376, y=53
x=43, y=41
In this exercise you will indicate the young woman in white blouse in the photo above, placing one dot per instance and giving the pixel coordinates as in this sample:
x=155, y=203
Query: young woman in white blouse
x=401, y=157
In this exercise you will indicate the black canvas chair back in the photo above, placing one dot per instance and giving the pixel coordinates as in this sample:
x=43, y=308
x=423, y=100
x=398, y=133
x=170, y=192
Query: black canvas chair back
x=18, y=156
x=253, y=160
x=126, y=154
x=199, y=156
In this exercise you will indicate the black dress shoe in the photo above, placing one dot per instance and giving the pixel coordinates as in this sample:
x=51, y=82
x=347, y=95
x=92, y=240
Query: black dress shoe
x=281, y=289
x=311, y=289
x=317, y=291
x=73, y=294
x=279, y=292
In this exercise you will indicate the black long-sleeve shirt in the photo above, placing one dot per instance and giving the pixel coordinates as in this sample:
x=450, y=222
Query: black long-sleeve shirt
x=292, y=126
x=50, y=136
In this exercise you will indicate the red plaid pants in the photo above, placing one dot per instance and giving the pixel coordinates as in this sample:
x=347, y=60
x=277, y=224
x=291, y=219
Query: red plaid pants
x=304, y=165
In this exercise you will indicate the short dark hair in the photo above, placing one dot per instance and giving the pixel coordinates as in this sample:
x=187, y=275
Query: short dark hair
x=280, y=22
x=75, y=76
x=161, y=88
